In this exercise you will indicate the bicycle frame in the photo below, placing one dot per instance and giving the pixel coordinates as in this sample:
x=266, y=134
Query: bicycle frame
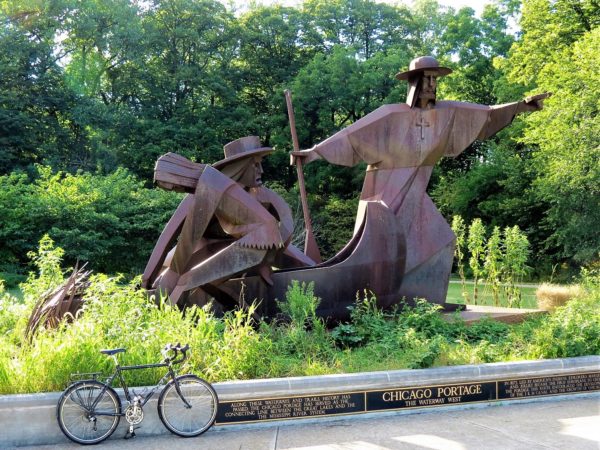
x=89, y=410
x=119, y=374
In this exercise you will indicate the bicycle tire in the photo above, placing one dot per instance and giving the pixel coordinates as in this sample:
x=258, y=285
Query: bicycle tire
x=180, y=420
x=81, y=425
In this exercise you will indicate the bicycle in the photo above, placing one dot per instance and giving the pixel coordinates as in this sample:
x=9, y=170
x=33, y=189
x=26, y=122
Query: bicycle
x=90, y=410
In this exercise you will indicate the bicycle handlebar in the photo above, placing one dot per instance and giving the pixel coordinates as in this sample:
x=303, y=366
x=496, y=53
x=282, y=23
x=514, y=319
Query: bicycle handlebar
x=175, y=349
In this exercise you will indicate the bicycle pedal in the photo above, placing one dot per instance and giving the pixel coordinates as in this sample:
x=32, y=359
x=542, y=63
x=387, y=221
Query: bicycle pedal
x=130, y=433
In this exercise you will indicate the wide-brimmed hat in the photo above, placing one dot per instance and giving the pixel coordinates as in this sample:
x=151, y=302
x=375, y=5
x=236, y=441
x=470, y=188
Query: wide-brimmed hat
x=242, y=148
x=421, y=64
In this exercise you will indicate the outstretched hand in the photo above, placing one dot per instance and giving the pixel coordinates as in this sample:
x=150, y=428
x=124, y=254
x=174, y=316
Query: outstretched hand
x=535, y=102
x=297, y=154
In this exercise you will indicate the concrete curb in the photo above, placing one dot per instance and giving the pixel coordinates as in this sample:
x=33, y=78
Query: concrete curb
x=30, y=419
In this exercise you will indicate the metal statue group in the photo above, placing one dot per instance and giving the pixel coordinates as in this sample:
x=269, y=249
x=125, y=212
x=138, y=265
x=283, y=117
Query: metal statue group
x=228, y=242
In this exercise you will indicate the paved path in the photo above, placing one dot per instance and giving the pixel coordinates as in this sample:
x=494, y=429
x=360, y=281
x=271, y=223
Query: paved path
x=566, y=423
x=483, y=283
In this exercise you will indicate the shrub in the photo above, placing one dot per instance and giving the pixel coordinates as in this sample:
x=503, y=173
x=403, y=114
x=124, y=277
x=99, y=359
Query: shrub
x=301, y=303
x=304, y=341
x=370, y=322
x=485, y=329
x=571, y=330
x=118, y=314
x=112, y=220
x=550, y=296
x=424, y=317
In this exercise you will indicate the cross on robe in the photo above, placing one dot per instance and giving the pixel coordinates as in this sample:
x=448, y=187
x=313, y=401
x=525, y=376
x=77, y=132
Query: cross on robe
x=421, y=123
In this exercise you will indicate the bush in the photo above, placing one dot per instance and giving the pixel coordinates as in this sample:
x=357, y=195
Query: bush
x=112, y=221
x=300, y=304
x=304, y=343
x=117, y=314
x=572, y=330
x=550, y=296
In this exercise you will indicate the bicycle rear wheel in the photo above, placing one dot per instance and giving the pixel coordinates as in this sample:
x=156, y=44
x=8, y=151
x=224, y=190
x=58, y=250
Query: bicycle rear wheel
x=88, y=412
x=184, y=421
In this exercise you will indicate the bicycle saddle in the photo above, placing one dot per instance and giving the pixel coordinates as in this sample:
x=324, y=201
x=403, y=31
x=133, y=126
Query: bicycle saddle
x=113, y=351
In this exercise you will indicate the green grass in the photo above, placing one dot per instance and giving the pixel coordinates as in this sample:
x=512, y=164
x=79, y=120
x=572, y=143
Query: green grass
x=234, y=347
x=485, y=295
x=117, y=314
x=454, y=294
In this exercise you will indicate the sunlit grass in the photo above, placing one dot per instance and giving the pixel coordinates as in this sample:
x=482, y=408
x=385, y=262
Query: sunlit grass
x=118, y=314
x=455, y=295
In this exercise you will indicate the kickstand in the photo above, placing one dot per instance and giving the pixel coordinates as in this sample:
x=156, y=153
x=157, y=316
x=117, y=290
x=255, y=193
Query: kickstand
x=131, y=432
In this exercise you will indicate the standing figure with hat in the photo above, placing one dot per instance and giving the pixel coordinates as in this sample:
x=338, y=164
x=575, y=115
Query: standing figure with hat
x=401, y=143
x=228, y=224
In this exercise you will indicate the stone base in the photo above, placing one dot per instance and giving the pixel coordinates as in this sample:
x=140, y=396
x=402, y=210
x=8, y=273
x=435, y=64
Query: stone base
x=474, y=313
x=451, y=307
x=31, y=419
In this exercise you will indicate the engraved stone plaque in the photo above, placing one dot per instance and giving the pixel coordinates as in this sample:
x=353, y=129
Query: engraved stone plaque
x=554, y=385
x=290, y=407
x=424, y=396
x=403, y=397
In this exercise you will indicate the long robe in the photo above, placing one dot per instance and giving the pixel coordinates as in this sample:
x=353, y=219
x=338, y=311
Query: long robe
x=401, y=145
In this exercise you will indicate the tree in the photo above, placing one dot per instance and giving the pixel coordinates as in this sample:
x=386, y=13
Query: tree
x=560, y=53
x=37, y=120
x=365, y=26
x=110, y=221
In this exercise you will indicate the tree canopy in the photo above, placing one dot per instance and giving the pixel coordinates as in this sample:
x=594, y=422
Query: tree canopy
x=105, y=87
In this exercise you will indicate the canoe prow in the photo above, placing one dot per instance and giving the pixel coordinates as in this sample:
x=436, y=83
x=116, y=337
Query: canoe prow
x=372, y=261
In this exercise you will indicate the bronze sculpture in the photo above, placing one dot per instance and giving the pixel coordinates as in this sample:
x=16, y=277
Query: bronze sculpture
x=401, y=248
x=401, y=143
x=228, y=224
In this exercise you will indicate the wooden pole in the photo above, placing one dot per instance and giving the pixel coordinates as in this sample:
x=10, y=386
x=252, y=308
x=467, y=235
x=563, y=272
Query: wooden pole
x=310, y=244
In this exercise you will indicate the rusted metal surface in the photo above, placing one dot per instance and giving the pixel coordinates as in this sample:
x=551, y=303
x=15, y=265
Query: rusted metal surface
x=231, y=248
x=62, y=303
x=367, y=262
x=401, y=143
x=228, y=224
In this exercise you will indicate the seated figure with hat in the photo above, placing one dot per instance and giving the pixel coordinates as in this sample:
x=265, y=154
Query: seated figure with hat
x=227, y=225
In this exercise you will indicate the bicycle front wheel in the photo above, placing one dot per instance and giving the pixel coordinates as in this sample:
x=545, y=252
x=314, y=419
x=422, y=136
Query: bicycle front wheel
x=88, y=412
x=177, y=416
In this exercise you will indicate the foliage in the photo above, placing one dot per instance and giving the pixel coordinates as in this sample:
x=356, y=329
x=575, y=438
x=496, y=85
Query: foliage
x=513, y=265
x=567, y=132
x=111, y=221
x=459, y=229
x=47, y=260
x=334, y=224
x=476, y=247
x=369, y=323
x=406, y=335
x=500, y=260
x=98, y=86
x=117, y=314
x=492, y=264
x=303, y=343
x=572, y=330
x=300, y=304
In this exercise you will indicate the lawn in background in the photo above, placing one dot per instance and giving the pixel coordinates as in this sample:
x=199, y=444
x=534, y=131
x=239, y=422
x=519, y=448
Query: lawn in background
x=484, y=296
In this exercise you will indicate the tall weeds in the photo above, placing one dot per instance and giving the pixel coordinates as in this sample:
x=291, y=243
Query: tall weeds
x=117, y=314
